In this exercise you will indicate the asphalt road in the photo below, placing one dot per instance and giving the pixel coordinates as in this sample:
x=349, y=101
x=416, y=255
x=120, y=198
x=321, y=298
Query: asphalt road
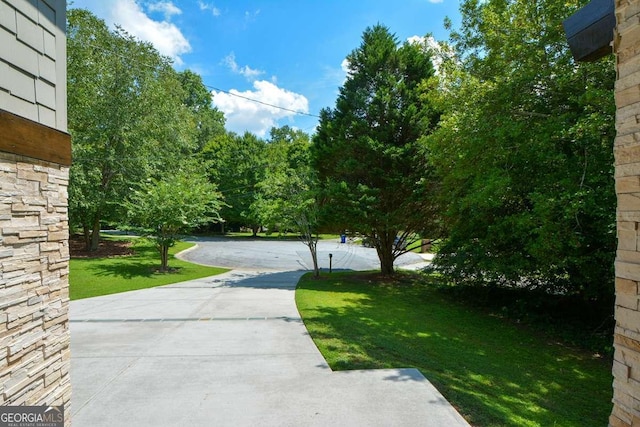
x=288, y=255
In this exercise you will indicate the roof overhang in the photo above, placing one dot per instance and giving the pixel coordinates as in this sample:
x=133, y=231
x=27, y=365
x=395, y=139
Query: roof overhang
x=590, y=30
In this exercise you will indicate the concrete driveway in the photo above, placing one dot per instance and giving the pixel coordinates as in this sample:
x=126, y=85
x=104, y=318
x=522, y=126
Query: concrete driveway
x=228, y=350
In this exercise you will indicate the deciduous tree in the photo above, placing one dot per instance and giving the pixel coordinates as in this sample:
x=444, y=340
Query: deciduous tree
x=236, y=164
x=127, y=119
x=209, y=120
x=525, y=153
x=287, y=196
x=167, y=207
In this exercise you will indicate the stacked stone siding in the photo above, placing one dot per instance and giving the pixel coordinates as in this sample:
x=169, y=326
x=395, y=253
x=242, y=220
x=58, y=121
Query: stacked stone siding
x=34, y=290
x=34, y=249
x=626, y=365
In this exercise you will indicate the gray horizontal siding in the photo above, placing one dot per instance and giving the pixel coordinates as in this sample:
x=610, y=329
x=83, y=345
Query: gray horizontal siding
x=32, y=80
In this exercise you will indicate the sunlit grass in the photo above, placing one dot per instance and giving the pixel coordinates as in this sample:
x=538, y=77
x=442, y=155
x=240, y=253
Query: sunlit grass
x=89, y=277
x=494, y=372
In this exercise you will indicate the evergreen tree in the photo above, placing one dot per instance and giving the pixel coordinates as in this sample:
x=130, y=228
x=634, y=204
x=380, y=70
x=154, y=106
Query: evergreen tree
x=372, y=170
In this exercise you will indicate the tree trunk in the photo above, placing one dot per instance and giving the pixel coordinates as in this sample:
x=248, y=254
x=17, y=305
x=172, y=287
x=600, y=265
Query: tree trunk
x=384, y=247
x=95, y=235
x=386, y=262
x=255, y=230
x=313, y=248
x=86, y=233
x=164, y=258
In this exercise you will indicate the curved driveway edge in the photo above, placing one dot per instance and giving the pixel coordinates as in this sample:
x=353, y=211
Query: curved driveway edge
x=288, y=255
x=228, y=350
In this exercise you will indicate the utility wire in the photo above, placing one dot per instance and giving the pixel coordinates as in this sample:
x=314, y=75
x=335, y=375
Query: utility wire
x=302, y=113
x=155, y=66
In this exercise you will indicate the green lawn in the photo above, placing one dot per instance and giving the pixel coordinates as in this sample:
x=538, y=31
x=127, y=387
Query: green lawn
x=494, y=372
x=90, y=277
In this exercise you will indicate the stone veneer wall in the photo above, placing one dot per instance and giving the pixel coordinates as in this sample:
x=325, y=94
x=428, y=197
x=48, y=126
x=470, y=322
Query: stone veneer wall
x=626, y=365
x=34, y=287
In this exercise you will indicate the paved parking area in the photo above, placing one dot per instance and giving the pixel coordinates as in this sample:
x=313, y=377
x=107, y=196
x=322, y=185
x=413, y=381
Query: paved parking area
x=288, y=255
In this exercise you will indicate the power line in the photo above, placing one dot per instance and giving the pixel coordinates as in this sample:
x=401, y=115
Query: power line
x=154, y=66
x=302, y=113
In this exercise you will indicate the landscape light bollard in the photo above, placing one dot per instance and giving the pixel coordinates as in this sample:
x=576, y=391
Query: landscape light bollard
x=330, y=261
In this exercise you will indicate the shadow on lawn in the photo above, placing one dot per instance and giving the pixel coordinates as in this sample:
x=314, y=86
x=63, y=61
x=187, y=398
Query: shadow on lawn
x=494, y=372
x=144, y=262
x=127, y=269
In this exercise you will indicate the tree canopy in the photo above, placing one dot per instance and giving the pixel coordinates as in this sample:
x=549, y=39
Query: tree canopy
x=505, y=151
x=286, y=199
x=236, y=163
x=208, y=120
x=131, y=117
x=175, y=204
x=373, y=172
x=524, y=150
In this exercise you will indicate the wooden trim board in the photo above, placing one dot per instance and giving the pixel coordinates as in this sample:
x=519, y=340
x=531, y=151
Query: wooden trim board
x=25, y=137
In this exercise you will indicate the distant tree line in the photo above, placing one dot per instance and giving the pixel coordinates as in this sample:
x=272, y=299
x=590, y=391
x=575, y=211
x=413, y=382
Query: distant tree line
x=503, y=152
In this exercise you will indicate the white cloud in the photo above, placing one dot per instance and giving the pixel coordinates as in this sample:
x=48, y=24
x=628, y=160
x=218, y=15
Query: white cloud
x=437, y=51
x=244, y=114
x=246, y=71
x=429, y=42
x=169, y=9
x=163, y=35
x=251, y=16
x=345, y=66
x=208, y=6
x=435, y=1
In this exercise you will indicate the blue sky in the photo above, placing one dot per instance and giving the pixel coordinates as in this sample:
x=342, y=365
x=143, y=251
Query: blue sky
x=284, y=53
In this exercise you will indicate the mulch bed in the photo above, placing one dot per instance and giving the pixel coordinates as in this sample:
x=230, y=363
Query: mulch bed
x=106, y=248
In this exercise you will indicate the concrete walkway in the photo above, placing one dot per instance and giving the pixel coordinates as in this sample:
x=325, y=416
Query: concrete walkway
x=228, y=350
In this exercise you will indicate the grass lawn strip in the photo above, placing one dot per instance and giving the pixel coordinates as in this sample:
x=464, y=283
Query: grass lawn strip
x=90, y=277
x=494, y=372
